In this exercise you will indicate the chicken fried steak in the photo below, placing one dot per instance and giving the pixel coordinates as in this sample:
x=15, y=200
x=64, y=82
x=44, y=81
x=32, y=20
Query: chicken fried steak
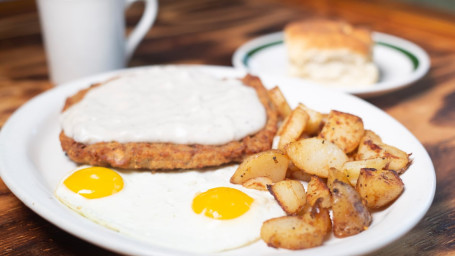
x=144, y=155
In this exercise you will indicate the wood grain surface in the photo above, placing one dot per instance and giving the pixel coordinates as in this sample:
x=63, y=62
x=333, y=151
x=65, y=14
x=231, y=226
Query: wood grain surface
x=208, y=32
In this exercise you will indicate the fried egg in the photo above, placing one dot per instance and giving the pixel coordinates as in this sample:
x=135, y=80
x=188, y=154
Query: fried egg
x=193, y=211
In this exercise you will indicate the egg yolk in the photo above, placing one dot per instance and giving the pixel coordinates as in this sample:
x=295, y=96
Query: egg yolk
x=94, y=182
x=222, y=203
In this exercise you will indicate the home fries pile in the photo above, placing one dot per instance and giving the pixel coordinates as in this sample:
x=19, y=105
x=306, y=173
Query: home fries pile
x=349, y=171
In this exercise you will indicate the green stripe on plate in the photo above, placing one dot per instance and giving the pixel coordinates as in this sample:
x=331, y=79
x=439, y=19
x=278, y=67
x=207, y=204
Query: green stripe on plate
x=255, y=50
x=412, y=57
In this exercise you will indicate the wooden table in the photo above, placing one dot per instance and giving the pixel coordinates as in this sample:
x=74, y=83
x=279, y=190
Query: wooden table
x=208, y=32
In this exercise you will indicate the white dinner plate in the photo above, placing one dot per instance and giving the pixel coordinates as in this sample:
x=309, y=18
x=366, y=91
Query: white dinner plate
x=32, y=163
x=400, y=62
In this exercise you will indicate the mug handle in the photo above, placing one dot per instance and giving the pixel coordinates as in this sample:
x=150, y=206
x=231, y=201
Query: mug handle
x=144, y=24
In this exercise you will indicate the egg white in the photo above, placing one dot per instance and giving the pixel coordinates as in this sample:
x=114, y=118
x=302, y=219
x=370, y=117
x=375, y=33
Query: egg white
x=156, y=208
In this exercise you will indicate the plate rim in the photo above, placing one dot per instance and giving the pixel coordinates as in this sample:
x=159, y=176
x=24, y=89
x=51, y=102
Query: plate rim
x=123, y=247
x=251, y=47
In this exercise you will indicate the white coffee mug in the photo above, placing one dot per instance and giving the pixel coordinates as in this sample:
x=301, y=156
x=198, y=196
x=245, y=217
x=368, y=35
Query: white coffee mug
x=85, y=37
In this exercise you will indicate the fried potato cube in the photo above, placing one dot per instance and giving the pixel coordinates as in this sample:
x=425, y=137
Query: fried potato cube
x=399, y=160
x=352, y=168
x=279, y=101
x=271, y=164
x=336, y=174
x=258, y=183
x=370, y=135
x=343, y=129
x=315, y=155
x=290, y=195
x=292, y=127
x=315, y=122
x=291, y=232
x=318, y=190
x=379, y=187
x=321, y=214
x=297, y=232
x=371, y=146
x=349, y=215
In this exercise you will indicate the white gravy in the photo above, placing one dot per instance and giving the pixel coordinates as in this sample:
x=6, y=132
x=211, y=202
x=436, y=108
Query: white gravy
x=166, y=104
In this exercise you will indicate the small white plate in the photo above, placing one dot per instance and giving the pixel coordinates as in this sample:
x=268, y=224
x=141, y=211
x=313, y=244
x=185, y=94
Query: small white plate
x=32, y=163
x=400, y=62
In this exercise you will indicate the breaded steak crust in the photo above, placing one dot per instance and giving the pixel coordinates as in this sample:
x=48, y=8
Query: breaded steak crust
x=155, y=156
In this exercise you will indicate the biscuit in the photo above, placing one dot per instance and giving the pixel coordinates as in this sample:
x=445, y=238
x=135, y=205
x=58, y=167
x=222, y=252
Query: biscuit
x=330, y=52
